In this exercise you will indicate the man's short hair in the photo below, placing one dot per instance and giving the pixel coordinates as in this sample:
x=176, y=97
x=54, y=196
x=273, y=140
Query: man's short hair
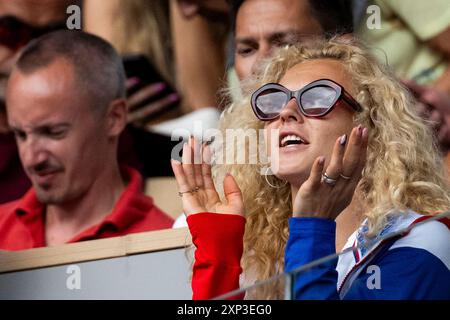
x=98, y=68
x=334, y=16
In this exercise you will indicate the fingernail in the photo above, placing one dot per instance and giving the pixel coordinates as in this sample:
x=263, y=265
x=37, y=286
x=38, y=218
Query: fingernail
x=321, y=160
x=343, y=140
x=133, y=81
x=174, y=97
x=365, y=132
x=160, y=86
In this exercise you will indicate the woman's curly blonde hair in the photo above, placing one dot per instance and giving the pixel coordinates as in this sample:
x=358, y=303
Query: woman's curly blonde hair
x=404, y=170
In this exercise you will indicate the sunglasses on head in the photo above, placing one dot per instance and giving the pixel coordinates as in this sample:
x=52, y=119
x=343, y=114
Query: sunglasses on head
x=14, y=33
x=314, y=100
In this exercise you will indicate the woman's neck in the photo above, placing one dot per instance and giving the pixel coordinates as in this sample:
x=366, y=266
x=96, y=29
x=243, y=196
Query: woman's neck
x=348, y=222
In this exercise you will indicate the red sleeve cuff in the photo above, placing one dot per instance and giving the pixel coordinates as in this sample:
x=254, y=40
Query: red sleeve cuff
x=218, y=236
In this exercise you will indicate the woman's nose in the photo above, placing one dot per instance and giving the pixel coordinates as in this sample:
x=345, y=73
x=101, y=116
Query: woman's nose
x=291, y=112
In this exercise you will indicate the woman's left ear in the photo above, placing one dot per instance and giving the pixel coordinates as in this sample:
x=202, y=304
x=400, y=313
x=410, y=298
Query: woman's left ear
x=117, y=117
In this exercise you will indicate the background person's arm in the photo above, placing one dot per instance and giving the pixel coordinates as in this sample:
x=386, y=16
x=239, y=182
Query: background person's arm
x=429, y=21
x=199, y=58
x=98, y=17
x=441, y=43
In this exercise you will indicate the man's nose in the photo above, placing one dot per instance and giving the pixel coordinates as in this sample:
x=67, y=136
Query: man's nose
x=264, y=52
x=32, y=153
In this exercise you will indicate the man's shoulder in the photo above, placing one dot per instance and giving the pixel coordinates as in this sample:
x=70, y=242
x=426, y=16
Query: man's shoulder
x=152, y=213
x=10, y=205
x=10, y=227
x=8, y=209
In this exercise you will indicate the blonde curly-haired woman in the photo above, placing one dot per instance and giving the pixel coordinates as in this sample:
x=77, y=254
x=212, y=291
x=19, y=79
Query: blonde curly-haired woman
x=355, y=162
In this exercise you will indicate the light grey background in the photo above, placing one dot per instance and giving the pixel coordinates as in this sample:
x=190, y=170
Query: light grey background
x=155, y=275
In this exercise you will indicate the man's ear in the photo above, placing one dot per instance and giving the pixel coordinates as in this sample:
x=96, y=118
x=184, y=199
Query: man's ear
x=117, y=117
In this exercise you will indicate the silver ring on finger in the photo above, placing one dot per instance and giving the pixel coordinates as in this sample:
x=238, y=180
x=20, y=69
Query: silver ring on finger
x=181, y=193
x=330, y=181
x=345, y=177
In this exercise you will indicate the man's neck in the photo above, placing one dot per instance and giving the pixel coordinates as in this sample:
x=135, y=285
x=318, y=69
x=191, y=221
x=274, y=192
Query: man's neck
x=64, y=222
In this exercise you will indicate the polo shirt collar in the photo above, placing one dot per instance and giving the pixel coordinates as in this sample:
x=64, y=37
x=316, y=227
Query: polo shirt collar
x=132, y=206
x=29, y=206
x=31, y=212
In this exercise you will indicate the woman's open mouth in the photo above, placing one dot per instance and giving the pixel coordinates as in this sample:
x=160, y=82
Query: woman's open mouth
x=291, y=140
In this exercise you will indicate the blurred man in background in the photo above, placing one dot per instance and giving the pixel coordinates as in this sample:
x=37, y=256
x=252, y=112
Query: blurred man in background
x=20, y=22
x=66, y=104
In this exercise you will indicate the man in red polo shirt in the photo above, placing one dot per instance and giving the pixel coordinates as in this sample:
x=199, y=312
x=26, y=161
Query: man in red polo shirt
x=65, y=102
x=20, y=22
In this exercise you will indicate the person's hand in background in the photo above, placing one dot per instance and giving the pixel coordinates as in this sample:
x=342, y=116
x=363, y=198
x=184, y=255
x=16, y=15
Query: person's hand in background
x=146, y=101
x=217, y=9
x=434, y=106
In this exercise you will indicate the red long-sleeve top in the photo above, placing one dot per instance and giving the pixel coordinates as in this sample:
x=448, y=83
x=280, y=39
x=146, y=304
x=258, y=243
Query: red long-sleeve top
x=219, y=242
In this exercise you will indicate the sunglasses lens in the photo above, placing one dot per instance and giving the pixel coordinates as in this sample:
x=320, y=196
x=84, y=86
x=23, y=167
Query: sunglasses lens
x=318, y=100
x=269, y=103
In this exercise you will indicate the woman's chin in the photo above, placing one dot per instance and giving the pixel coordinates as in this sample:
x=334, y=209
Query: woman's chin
x=293, y=178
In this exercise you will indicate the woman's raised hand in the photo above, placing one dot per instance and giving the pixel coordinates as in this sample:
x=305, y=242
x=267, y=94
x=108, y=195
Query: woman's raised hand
x=196, y=186
x=328, y=192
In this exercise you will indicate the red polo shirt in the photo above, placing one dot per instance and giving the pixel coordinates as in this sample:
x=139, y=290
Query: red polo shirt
x=22, y=221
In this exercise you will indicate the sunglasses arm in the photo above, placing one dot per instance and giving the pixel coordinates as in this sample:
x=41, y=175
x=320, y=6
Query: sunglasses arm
x=351, y=101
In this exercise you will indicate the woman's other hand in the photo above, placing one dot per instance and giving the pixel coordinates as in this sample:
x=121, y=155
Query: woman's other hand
x=316, y=197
